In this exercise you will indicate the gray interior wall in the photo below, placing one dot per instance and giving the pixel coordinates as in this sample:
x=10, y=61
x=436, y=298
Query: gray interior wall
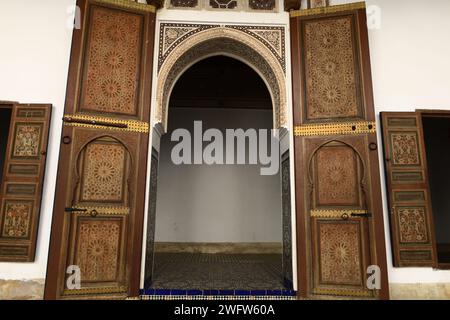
x=219, y=203
x=437, y=140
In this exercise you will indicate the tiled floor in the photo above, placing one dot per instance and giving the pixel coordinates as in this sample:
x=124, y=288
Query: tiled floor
x=217, y=271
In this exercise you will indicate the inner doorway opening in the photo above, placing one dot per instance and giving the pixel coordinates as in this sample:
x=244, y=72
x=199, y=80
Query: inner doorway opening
x=5, y=121
x=219, y=226
x=437, y=143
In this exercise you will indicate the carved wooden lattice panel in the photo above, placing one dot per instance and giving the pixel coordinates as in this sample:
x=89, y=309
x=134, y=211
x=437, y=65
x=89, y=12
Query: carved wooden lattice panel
x=23, y=175
x=104, y=172
x=98, y=249
x=332, y=73
x=340, y=253
x=112, y=62
x=408, y=190
x=99, y=207
x=337, y=174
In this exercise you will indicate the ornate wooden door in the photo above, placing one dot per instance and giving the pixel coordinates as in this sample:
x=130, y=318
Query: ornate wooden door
x=22, y=182
x=339, y=212
x=99, y=208
x=411, y=218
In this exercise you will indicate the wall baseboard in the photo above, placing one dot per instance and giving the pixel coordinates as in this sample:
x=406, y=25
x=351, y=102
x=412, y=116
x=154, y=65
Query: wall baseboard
x=21, y=289
x=420, y=291
x=219, y=248
x=34, y=290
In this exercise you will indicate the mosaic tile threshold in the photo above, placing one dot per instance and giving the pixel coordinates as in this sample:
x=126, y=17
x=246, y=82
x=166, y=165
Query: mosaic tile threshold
x=218, y=293
x=214, y=275
x=228, y=298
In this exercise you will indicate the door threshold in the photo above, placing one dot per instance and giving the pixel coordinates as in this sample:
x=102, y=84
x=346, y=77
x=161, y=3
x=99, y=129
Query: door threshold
x=174, y=294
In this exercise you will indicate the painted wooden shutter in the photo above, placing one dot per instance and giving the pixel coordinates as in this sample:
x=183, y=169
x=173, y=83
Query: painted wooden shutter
x=411, y=218
x=338, y=194
x=23, y=177
x=98, y=216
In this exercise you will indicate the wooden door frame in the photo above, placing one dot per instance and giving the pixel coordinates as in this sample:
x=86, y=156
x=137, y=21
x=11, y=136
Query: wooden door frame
x=432, y=113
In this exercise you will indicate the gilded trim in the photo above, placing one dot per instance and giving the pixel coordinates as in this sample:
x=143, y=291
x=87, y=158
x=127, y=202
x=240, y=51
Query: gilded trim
x=128, y=4
x=342, y=128
x=104, y=211
x=344, y=292
x=131, y=125
x=325, y=10
x=90, y=291
x=335, y=213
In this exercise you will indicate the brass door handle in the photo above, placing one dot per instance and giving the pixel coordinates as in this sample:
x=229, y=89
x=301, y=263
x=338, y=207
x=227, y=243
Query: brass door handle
x=361, y=215
x=71, y=210
x=93, y=213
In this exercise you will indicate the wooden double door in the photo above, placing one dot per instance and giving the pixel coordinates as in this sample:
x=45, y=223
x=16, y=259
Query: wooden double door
x=340, y=230
x=97, y=227
x=98, y=214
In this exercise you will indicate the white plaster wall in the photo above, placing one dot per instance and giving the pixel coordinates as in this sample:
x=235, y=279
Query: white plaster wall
x=34, y=58
x=410, y=69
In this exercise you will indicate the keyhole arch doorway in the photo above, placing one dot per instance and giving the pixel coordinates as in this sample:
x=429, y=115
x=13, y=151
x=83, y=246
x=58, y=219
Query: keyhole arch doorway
x=159, y=131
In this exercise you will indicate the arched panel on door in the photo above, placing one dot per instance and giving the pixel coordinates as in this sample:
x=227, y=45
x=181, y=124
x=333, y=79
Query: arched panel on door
x=339, y=230
x=104, y=169
x=99, y=215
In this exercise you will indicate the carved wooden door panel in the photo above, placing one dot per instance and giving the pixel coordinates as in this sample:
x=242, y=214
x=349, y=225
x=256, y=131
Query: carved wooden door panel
x=412, y=234
x=339, y=212
x=99, y=205
x=23, y=176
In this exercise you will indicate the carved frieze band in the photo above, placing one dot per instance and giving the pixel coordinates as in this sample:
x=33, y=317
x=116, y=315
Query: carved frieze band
x=327, y=10
x=94, y=122
x=173, y=34
x=342, y=128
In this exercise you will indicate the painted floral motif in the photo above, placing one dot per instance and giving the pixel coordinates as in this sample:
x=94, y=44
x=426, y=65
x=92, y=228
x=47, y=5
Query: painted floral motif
x=27, y=141
x=113, y=62
x=331, y=71
x=340, y=254
x=412, y=222
x=17, y=220
x=98, y=250
x=103, y=173
x=405, y=149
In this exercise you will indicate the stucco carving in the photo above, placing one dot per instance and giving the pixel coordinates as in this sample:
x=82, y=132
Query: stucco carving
x=222, y=40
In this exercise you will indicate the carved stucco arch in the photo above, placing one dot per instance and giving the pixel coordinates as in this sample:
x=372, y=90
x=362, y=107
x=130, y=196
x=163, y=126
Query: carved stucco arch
x=229, y=42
